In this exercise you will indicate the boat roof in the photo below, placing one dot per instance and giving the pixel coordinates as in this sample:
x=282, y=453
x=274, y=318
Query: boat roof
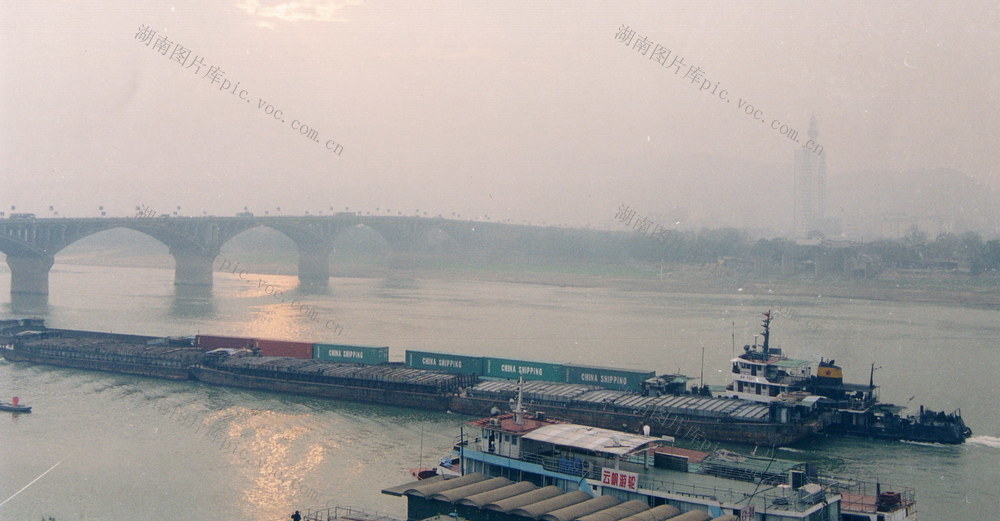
x=777, y=361
x=723, y=460
x=693, y=456
x=553, y=504
x=508, y=424
x=594, y=439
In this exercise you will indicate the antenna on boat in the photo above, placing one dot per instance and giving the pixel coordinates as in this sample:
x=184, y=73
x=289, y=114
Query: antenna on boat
x=519, y=406
x=420, y=463
x=871, y=376
x=767, y=331
x=702, y=376
x=734, y=338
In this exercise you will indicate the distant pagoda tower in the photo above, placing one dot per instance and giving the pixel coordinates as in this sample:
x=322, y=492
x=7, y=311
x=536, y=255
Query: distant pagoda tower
x=809, y=178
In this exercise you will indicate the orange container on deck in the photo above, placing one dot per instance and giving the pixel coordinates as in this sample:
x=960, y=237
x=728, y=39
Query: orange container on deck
x=284, y=348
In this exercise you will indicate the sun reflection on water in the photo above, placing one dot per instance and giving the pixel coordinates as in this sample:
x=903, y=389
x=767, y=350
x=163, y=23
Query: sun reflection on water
x=274, y=452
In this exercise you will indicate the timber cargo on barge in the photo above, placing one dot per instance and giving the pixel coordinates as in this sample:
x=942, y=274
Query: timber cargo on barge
x=386, y=384
x=129, y=354
x=719, y=419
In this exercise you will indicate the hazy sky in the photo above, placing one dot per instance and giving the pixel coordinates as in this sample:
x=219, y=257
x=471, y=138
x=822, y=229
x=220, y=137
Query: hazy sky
x=522, y=110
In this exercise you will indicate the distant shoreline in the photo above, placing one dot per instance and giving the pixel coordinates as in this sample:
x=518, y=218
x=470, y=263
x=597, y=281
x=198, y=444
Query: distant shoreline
x=939, y=287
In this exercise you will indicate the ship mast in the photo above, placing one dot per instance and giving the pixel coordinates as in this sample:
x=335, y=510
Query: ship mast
x=519, y=406
x=767, y=331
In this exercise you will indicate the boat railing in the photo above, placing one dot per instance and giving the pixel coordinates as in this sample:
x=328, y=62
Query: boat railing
x=345, y=513
x=860, y=404
x=579, y=467
x=861, y=496
x=774, y=498
x=777, y=378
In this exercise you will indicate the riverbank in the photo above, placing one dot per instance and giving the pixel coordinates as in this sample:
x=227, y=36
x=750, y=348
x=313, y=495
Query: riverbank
x=899, y=286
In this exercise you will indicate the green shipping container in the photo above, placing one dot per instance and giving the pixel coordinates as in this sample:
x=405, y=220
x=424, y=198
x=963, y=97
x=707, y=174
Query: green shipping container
x=367, y=355
x=514, y=369
x=617, y=379
x=460, y=364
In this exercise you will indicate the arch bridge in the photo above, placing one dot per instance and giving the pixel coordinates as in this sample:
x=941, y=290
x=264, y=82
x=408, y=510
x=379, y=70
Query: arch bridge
x=32, y=244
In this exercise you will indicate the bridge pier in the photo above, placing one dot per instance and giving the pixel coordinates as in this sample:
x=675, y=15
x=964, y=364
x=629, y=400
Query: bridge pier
x=29, y=274
x=192, y=267
x=314, y=265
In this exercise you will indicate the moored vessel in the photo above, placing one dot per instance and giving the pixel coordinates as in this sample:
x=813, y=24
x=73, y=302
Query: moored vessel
x=14, y=405
x=614, y=469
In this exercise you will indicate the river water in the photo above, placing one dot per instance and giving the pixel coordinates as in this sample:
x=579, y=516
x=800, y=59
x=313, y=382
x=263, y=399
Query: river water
x=110, y=446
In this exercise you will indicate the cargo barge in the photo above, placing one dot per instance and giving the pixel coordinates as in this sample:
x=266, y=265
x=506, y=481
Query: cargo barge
x=694, y=417
x=602, y=397
x=386, y=384
x=156, y=357
x=605, y=403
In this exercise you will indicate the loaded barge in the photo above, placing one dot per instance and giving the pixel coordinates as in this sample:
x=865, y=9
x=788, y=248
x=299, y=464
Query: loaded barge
x=602, y=397
x=386, y=384
x=129, y=354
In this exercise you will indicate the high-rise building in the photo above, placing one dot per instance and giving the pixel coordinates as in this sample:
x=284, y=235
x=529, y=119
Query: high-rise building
x=809, y=178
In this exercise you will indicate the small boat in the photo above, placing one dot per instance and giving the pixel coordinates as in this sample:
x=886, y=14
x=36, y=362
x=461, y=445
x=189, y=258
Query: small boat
x=14, y=406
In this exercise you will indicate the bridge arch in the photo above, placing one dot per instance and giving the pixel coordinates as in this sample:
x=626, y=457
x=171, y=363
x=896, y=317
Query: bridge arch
x=31, y=255
x=31, y=245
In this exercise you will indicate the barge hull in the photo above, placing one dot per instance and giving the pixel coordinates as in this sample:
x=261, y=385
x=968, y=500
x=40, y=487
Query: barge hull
x=140, y=369
x=434, y=402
